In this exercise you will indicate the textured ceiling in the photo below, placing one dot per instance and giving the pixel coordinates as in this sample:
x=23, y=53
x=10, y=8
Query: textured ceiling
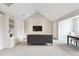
x=51, y=10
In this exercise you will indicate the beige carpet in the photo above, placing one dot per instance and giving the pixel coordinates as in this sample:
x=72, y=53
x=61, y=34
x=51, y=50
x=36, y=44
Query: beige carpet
x=57, y=49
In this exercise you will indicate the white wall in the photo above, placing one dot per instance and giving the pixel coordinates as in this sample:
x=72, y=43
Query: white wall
x=64, y=27
x=78, y=25
x=20, y=29
x=55, y=30
x=37, y=20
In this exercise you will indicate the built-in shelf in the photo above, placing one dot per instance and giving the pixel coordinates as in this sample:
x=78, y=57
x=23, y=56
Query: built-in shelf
x=11, y=27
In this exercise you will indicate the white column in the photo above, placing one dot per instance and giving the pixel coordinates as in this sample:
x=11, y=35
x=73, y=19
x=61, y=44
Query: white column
x=1, y=31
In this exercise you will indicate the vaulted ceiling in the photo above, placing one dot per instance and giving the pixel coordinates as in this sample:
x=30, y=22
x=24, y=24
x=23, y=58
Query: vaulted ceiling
x=51, y=10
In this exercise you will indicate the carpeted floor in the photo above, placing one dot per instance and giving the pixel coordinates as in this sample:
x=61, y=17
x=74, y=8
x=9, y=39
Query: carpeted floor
x=57, y=49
